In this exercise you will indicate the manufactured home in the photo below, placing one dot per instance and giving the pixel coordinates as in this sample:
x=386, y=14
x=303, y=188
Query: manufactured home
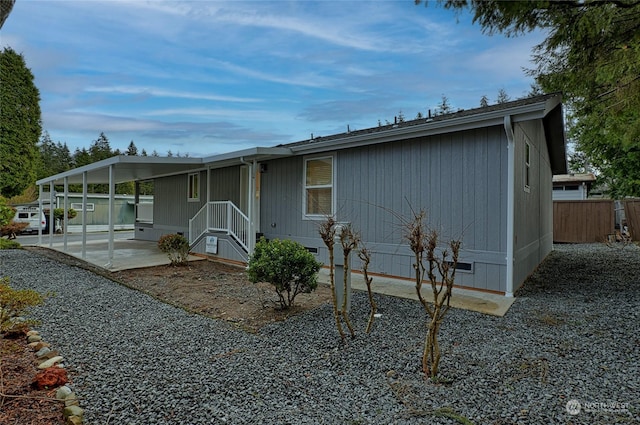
x=483, y=176
x=97, y=207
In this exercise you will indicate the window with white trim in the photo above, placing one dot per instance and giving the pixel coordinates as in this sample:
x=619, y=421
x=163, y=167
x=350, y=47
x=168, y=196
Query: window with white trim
x=193, y=190
x=527, y=167
x=318, y=187
x=78, y=206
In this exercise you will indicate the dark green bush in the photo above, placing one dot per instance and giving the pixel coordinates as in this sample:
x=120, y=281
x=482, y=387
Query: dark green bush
x=285, y=264
x=176, y=247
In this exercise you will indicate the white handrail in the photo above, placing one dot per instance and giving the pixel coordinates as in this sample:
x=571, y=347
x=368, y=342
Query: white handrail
x=220, y=216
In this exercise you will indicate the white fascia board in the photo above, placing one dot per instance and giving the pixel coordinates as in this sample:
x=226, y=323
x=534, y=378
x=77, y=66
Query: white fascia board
x=236, y=157
x=75, y=171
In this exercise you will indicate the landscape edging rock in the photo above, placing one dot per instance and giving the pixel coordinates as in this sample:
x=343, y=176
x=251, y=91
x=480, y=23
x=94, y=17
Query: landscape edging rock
x=49, y=359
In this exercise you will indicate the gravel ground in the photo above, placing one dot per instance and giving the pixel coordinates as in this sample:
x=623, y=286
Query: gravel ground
x=572, y=334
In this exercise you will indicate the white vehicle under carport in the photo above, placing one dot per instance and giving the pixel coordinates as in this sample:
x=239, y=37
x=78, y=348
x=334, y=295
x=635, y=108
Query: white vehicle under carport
x=33, y=216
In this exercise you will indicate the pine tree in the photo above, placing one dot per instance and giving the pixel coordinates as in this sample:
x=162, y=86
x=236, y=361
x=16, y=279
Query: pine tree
x=20, y=124
x=503, y=97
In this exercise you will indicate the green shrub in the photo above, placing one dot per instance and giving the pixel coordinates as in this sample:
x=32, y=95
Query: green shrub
x=176, y=247
x=8, y=244
x=285, y=264
x=6, y=212
x=13, y=306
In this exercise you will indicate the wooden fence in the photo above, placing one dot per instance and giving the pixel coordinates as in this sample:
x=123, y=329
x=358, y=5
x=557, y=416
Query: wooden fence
x=583, y=221
x=632, y=214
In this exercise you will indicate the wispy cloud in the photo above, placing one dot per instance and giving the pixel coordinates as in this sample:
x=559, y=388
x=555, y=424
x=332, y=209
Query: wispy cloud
x=158, y=92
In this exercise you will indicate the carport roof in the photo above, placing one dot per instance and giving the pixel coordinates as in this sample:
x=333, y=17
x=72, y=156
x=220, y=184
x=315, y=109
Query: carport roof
x=127, y=168
x=132, y=168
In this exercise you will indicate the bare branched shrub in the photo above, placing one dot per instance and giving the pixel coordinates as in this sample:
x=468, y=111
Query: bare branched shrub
x=349, y=241
x=327, y=230
x=365, y=255
x=440, y=270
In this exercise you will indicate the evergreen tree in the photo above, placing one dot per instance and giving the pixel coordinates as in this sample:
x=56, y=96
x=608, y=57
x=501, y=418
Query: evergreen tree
x=20, y=125
x=484, y=101
x=82, y=157
x=132, y=150
x=503, y=97
x=100, y=149
x=444, y=107
x=592, y=55
x=54, y=157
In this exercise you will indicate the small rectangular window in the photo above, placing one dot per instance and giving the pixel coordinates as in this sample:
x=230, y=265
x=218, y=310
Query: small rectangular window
x=193, y=191
x=318, y=186
x=78, y=206
x=527, y=166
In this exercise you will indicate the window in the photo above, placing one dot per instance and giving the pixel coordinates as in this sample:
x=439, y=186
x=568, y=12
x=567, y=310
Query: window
x=527, y=166
x=318, y=186
x=78, y=206
x=193, y=191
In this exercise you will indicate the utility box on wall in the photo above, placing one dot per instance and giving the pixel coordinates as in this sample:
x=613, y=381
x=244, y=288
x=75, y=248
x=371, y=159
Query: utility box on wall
x=211, y=246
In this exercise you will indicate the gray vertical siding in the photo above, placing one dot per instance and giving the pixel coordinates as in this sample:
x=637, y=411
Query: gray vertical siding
x=225, y=184
x=171, y=210
x=459, y=179
x=533, y=209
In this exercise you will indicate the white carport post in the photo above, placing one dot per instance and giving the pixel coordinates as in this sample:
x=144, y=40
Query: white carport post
x=252, y=206
x=52, y=218
x=66, y=208
x=208, y=199
x=40, y=193
x=84, y=215
x=112, y=189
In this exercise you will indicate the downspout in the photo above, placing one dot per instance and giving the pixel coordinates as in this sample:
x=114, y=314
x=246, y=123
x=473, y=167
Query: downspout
x=252, y=233
x=511, y=156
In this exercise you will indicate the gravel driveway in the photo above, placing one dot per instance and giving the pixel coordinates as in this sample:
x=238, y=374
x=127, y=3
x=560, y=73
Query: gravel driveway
x=572, y=334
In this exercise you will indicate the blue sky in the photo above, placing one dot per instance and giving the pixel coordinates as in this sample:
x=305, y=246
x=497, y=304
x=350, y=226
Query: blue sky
x=208, y=77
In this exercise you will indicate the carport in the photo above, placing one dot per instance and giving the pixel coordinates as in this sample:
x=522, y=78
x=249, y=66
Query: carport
x=118, y=169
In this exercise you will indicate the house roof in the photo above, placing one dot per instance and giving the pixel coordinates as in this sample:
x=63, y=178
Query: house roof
x=547, y=107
